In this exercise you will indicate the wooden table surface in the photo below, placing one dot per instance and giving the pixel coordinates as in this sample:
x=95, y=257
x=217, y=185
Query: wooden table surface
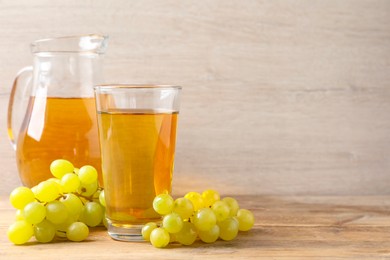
x=286, y=227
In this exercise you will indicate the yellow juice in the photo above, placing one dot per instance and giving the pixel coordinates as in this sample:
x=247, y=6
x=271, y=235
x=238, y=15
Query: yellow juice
x=137, y=149
x=57, y=128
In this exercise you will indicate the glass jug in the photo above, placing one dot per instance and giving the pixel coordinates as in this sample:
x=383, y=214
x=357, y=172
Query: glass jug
x=51, y=112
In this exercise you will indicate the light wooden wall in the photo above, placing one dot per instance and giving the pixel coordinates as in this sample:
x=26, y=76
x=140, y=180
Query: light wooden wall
x=280, y=97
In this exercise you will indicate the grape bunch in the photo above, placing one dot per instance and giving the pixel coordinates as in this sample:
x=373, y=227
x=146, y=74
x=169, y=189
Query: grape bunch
x=196, y=216
x=64, y=206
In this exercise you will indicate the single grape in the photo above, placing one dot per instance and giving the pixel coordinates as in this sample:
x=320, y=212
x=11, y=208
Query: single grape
x=228, y=229
x=56, y=212
x=20, y=232
x=233, y=205
x=147, y=229
x=187, y=235
x=209, y=197
x=45, y=231
x=34, y=212
x=20, y=197
x=60, y=167
x=163, y=204
x=47, y=191
x=88, y=174
x=92, y=214
x=159, y=237
x=102, y=199
x=209, y=236
x=72, y=203
x=246, y=220
x=204, y=219
x=70, y=182
x=172, y=223
x=77, y=232
x=196, y=199
x=183, y=207
x=88, y=190
x=221, y=210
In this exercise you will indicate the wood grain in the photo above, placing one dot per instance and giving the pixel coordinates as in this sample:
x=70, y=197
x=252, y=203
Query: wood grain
x=298, y=227
x=280, y=97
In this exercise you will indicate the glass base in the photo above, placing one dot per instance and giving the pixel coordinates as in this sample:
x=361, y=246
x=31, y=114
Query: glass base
x=125, y=232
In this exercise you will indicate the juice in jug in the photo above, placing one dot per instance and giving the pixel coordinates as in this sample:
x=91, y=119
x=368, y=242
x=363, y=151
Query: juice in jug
x=57, y=128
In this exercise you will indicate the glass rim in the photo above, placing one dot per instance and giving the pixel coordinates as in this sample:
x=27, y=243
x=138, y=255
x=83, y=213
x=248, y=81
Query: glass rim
x=104, y=87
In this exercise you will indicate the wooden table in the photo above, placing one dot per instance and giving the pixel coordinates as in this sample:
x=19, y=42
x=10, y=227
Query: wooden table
x=296, y=227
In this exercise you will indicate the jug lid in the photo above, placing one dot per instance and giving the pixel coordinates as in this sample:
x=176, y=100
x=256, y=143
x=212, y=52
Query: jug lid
x=90, y=43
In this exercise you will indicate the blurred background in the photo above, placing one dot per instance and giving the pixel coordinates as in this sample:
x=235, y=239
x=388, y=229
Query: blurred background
x=279, y=97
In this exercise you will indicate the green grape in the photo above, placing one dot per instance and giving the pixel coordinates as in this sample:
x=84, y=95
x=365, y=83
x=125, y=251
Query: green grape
x=34, y=212
x=204, y=219
x=209, y=236
x=246, y=220
x=183, y=207
x=20, y=197
x=102, y=199
x=92, y=214
x=233, y=205
x=70, y=182
x=172, y=223
x=45, y=231
x=87, y=174
x=20, y=232
x=19, y=215
x=228, y=229
x=209, y=197
x=88, y=190
x=163, y=204
x=73, y=204
x=77, y=232
x=60, y=167
x=56, y=212
x=221, y=210
x=187, y=235
x=196, y=199
x=47, y=191
x=159, y=237
x=147, y=229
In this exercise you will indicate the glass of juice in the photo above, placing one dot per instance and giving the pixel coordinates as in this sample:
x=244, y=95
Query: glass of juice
x=137, y=130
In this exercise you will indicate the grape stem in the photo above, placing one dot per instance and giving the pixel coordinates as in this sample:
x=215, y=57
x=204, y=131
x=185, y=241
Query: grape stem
x=89, y=199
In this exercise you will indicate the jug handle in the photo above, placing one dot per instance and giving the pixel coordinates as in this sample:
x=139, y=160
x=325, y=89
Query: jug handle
x=18, y=101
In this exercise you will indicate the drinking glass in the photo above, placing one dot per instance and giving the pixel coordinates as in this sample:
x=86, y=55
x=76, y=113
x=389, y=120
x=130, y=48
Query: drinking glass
x=137, y=132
